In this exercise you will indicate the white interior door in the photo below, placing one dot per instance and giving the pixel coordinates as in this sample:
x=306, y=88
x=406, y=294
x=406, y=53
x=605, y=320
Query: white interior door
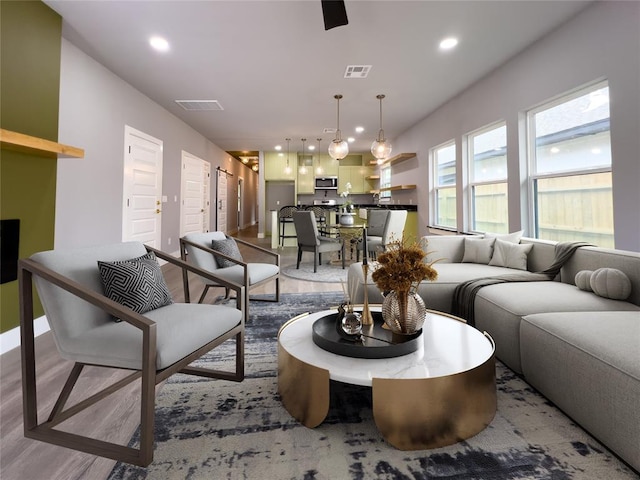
x=206, y=198
x=221, y=207
x=142, y=206
x=191, y=194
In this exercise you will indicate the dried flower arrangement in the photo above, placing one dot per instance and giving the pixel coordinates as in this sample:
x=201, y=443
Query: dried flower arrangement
x=402, y=266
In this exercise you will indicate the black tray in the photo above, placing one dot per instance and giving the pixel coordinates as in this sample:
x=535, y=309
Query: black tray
x=376, y=342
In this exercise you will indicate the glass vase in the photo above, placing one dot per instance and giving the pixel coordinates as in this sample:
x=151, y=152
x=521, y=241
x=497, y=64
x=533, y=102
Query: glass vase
x=404, y=311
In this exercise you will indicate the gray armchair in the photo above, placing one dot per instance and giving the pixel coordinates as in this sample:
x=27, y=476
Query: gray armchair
x=196, y=248
x=89, y=328
x=310, y=240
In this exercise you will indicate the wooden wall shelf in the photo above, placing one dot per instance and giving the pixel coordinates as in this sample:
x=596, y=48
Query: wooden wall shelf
x=39, y=146
x=398, y=187
x=395, y=159
x=401, y=157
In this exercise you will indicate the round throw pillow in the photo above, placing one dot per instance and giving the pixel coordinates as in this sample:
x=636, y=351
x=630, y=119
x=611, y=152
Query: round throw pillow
x=610, y=283
x=583, y=280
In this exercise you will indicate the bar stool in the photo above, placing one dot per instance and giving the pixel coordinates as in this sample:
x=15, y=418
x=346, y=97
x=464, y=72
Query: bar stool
x=285, y=216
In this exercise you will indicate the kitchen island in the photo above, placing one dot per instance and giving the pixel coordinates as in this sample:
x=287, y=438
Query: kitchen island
x=289, y=240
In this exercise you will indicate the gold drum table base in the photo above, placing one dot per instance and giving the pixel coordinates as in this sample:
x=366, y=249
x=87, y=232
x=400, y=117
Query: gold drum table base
x=411, y=414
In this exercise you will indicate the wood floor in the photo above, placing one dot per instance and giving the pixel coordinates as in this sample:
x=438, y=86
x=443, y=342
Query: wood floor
x=115, y=418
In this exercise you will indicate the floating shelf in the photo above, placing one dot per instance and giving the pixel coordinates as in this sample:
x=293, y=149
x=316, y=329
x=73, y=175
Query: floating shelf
x=398, y=158
x=398, y=187
x=373, y=177
x=39, y=146
x=401, y=157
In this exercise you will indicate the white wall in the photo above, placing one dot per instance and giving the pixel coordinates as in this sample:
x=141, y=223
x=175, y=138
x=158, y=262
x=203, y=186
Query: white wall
x=95, y=106
x=602, y=42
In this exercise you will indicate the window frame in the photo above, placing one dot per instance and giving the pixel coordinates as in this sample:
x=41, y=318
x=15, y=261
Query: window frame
x=532, y=159
x=472, y=183
x=435, y=187
x=385, y=194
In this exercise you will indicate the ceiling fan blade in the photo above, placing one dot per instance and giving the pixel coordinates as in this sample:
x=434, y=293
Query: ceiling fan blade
x=334, y=13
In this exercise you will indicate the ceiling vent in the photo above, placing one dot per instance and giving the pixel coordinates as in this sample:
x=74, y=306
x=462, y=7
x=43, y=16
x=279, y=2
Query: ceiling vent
x=200, y=105
x=357, y=71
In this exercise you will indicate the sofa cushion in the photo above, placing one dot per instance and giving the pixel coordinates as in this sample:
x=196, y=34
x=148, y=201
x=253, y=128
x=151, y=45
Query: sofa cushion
x=513, y=237
x=583, y=280
x=610, y=283
x=478, y=250
x=437, y=295
x=588, y=364
x=510, y=255
x=592, y=258
x=499, y=308
x=181, y=328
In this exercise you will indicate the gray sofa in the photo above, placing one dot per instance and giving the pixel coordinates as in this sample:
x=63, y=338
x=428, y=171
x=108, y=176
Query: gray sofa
x=579, y=349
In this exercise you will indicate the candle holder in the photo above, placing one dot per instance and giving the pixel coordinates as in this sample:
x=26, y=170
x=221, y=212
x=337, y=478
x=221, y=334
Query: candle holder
x=367, y=319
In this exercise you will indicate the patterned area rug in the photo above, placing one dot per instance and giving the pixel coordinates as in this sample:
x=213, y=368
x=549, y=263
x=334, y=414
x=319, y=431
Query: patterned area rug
x=325, y=273
x=212, y=429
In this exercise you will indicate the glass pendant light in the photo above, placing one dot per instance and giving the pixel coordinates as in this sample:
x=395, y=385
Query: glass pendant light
x=319, y=170
x=287, y=169
x=380, y=148
x=338, y=148
x=303, y=169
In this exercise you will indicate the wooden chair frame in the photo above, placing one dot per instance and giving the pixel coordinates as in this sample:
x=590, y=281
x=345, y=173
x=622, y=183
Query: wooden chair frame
x=276, y=256
x=150, y=377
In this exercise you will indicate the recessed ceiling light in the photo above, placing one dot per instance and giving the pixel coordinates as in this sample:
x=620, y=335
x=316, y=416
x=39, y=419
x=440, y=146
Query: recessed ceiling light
x=359, y=129
x=159, y=44
x=351, y=139
x=311, y=147
x=278, y=147
x=448, y=43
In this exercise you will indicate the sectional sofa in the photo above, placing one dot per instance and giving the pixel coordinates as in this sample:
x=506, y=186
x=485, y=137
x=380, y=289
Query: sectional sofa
x=579, y=345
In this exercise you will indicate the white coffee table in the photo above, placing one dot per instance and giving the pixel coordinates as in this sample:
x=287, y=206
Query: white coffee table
x=441, y=394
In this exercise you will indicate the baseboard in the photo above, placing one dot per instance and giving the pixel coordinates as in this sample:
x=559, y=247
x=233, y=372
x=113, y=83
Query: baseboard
x=11, y=339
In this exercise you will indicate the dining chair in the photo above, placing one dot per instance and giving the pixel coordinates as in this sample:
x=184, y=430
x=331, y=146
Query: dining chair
x=310, y=240
x=383, y=227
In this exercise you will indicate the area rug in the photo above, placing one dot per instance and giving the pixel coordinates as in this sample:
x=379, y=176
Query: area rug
x=212, y=429
x=327, y=273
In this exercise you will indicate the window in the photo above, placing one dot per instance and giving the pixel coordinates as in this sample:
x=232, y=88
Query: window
x=570, y=158
x=385, y=181
x=444, y=189
x=488, y=179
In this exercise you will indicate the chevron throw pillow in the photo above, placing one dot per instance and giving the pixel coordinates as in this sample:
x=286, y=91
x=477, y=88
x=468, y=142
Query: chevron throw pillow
x=137, y=283
x=229, y=247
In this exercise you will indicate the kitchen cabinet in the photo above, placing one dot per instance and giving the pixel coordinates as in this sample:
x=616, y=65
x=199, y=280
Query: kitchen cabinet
x=358, y=176
x=274, y=166
x=325, y=166
x=306, y=180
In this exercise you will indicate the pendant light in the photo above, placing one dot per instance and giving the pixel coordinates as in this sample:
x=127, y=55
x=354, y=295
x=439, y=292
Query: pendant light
x=287, y=169
x=380, y=148
x=303, y=169
x=338, y=148
x=319, y=169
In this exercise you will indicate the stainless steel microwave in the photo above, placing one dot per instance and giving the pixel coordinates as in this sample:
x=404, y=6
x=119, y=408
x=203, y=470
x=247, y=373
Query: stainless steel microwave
x=326, y=183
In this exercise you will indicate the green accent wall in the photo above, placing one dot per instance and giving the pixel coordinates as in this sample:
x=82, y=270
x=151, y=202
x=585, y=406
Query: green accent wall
x=30, y=38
